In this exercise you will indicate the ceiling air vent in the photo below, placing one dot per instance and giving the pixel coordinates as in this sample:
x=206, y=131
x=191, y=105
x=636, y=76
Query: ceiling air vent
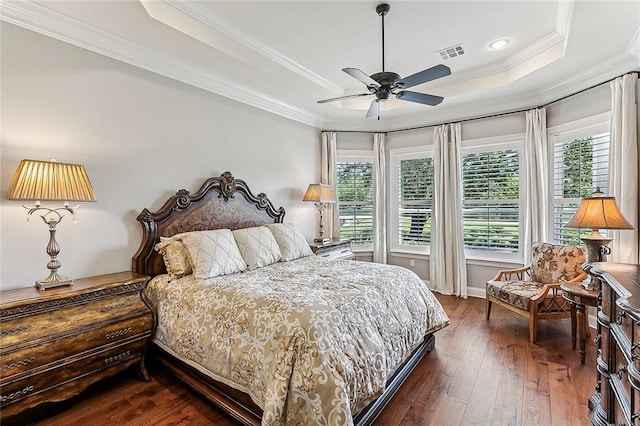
x=451, y=52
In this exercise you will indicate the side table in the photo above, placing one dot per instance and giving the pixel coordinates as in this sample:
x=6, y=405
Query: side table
x=579, y=298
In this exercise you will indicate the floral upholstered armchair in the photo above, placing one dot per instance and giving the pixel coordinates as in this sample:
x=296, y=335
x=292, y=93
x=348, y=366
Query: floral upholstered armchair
x=534, y=291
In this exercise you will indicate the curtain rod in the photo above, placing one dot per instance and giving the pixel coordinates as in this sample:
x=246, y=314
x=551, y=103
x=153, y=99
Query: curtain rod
x=499, y=114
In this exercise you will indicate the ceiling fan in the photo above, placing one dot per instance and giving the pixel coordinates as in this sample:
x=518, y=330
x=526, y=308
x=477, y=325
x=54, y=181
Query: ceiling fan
x=384, y=84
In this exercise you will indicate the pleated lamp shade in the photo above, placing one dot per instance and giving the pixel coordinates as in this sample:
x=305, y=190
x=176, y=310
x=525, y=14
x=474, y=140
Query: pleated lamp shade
x=319, y=192
x=50, y=181
x=599, y=213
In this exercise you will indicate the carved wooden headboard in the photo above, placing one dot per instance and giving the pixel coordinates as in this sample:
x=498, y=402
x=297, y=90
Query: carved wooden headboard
x=216, y=205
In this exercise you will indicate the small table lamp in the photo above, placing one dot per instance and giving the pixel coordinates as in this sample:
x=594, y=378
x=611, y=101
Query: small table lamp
x=50, y=181
x=321, y=194
x=596, y=213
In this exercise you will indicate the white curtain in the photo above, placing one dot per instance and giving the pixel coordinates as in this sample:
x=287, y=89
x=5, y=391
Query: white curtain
x=379, y=199
x=623, y=165
x=447, y=260
x=328, y=177
x=536, y=183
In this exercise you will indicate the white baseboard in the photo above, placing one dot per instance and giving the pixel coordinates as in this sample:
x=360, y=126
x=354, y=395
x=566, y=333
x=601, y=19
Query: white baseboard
x=471, y=291
x=477, y=292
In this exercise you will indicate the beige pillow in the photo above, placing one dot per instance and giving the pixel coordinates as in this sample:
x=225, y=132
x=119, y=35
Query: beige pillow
x=175, y=257
x=292, y=243
x=257, y=246
x=212, y=253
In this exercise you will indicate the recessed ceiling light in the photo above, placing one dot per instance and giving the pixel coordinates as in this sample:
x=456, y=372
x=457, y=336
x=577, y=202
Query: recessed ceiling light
x=499, y=44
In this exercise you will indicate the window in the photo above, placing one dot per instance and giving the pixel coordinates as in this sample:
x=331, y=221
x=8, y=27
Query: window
x=491, y=197
x=412, y=180
x=580, y=165
x=354, y=170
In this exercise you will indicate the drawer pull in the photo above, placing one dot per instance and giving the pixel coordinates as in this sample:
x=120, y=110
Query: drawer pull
x=15, y=395
x=621, y=317
x=17, y=364
x=16, y=330
x=118, y=333
x=117, y=358
x=634, y=356
x=621, y=370
x=113, y=307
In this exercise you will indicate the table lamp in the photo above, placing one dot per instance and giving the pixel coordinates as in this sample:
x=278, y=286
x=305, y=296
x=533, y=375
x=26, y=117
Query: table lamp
x=50, y=181
x=321, y=194
x=597, y=212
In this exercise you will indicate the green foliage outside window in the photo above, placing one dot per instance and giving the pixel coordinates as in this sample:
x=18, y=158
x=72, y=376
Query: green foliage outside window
x=355, y=200
x=491, y=188
x=415, y=195
x=575, y=171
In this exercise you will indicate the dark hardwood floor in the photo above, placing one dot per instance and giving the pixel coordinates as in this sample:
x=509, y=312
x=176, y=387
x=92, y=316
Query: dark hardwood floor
x=481, y=373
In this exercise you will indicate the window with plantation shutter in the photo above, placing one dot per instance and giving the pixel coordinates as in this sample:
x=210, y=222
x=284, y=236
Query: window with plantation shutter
x=491, y=199
x=412, y=180
x=355, y=196
x=580, y=165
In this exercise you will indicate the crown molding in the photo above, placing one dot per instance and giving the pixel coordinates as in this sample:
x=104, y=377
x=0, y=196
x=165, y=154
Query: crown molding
x=590, y=77
x=220, y=25
x=37, y=18
x=529, y=59
x=450, y=114
x=633, y=48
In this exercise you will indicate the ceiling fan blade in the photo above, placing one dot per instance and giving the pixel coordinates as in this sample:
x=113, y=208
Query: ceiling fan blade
x=359, y=95
x=374, y=109
x=423, y=76
x=361, y=76
x=421, y=98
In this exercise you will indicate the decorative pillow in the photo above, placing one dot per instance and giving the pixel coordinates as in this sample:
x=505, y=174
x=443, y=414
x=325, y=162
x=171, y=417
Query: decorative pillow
x=257, y=246
x=292, y=243
x=175, y=257
x=212, y=253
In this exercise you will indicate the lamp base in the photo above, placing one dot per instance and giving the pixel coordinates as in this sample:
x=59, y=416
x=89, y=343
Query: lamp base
x=589, y=283
x=52, y=281
x=597, y=250
x=322, y=240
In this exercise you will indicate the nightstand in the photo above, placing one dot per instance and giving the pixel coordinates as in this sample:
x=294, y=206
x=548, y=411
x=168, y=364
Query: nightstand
x=334, y=249
x=579, y=298
x=55, y=343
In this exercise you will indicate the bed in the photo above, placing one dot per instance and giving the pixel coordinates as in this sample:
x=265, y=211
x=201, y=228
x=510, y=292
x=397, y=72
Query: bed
x=289, y=342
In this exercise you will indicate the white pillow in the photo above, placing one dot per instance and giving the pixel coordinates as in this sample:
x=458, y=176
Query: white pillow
x=292, y=243
x=212, y=253
x=257, y=246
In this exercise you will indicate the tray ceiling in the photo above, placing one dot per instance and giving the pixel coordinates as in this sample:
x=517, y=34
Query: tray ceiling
x=284, y=56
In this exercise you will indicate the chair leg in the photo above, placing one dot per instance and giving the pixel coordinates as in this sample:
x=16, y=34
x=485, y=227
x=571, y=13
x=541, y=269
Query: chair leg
x=488, y=307
x=533, y=324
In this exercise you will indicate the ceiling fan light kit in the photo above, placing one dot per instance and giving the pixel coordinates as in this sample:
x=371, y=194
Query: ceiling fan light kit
x=386, y=83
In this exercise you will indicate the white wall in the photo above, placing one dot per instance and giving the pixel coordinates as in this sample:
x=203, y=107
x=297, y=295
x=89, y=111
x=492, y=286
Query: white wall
x=141, y=138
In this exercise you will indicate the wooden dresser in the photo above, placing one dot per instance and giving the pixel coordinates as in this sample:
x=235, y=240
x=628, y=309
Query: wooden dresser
x=617, y=397
x=334, y=249
x=55, y=343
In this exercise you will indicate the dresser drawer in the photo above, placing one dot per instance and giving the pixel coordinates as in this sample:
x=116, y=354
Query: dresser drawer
x=70, y=369
x=626, y=326
x=627, y=397
x=21, y=331
x=55, y=343
x=19, y=360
